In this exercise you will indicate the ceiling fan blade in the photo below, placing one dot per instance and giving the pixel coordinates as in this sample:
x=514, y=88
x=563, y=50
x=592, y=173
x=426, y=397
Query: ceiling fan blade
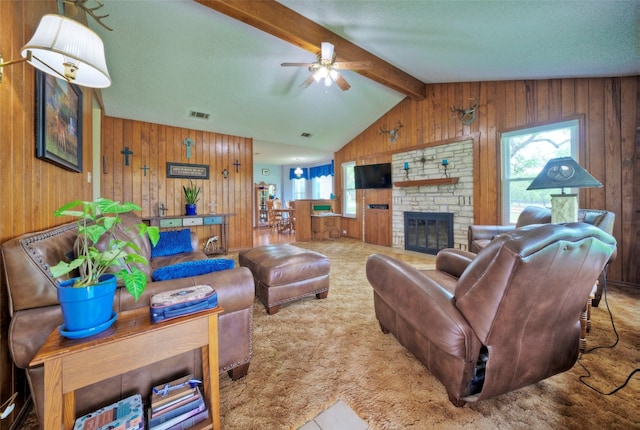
x=352, y=65
x=344, y=85
x=307, y=82
x=297, y=64
x=327, y=51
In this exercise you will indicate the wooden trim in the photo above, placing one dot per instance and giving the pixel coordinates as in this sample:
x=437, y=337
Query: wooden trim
x=420, y=182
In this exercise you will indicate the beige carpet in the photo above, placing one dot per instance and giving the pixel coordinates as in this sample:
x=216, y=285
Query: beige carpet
x=314, y=352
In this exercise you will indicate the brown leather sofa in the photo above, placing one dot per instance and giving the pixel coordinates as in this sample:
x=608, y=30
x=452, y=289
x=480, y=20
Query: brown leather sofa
x=479, y=236
x=35, y=312
x=497, y=321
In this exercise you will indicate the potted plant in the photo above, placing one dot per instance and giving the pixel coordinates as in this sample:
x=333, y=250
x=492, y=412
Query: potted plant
x=98, y=221
x=191, y=196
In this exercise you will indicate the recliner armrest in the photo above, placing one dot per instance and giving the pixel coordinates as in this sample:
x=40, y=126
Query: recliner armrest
x=480, y=235
x=424, y=304
x=453, y=261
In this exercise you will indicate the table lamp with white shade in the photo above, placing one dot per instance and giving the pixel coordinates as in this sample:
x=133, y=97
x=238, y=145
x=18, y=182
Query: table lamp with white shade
x=563, y=172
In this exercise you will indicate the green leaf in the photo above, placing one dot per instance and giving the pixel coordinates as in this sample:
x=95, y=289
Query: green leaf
x=136, y=259
x=134, y=281
x=62, y=268
x=152, y=232
x=94, y=232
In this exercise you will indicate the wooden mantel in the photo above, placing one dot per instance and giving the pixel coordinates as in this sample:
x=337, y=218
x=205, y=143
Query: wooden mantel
x=419, y=182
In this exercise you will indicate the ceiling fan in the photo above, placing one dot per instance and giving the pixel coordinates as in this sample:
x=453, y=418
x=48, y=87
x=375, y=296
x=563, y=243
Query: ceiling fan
x=326, y=68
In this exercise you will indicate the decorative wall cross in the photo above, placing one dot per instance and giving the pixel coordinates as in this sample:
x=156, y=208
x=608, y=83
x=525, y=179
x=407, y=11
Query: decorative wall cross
x=237, y=164
x=145, y=168
x=188, y=143
x=126, y=152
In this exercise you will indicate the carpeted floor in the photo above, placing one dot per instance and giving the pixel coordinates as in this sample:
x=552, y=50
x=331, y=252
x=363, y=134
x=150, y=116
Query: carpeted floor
x=314, y=352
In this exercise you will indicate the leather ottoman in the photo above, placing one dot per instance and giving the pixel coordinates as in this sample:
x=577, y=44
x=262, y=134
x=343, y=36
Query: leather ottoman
x=285, y=273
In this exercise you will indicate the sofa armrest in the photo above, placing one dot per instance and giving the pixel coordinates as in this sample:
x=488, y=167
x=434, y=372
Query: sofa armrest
x=235, y=289
x=195, y=242
x=454, y=261
x=427, y=306
x=479, y=236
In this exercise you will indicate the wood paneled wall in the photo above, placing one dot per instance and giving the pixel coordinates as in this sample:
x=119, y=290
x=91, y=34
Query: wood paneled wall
x=154, y=145
x=31, y=188
x=608, y=107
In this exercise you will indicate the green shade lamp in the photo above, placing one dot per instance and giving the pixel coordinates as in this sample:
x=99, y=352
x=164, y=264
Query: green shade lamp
x=563, y=172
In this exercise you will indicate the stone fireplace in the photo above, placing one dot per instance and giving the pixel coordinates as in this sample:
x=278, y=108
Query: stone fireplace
x=455, y=199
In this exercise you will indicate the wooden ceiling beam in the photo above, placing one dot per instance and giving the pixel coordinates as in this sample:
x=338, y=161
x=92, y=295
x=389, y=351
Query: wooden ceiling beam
x=282, y=22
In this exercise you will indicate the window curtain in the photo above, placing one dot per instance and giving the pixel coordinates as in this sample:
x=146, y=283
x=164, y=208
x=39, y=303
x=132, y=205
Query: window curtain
x=319, y=171
x=305, y=173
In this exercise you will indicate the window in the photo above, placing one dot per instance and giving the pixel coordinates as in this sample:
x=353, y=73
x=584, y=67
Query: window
x=322, y=187
x=298, y=186
x=524, y=153
x=349, y=203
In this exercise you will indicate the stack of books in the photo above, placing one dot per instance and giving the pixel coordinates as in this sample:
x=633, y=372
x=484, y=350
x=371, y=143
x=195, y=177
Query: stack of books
x=126, y=414
x=176, y=405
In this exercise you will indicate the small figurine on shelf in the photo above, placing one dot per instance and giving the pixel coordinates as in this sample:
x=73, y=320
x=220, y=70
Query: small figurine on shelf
x=211, y=247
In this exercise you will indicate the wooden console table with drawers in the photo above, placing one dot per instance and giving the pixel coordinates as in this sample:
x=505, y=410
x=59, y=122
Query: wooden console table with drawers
x=178, y=221
x=70, y=364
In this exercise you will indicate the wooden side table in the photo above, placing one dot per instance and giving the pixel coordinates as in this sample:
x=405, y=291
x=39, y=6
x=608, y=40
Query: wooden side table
x=70, y=364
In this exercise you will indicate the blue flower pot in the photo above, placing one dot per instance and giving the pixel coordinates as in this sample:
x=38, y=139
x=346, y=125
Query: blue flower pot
x=87, y=309
x=191, y=209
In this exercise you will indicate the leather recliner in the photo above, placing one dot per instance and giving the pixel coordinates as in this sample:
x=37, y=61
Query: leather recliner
x=479, y=236
x=497, y=321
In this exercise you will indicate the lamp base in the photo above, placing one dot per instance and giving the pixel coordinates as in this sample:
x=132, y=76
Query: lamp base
x=564, y=208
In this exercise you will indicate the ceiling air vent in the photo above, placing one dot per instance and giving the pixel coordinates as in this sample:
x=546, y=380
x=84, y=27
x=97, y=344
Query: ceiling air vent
x=198, y=115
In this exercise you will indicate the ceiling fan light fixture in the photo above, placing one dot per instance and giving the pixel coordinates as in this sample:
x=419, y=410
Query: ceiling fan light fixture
x=322, y=72
x=327, y=52
x=325, y=68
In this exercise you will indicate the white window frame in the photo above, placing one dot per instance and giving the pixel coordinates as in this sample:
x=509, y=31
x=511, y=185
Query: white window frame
x=509, y=212
x=349, y=189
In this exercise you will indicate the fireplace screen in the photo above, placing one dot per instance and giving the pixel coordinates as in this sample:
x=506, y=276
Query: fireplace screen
x=428, y=232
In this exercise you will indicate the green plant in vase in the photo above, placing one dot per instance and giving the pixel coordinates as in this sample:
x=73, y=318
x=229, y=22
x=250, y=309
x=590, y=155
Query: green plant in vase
x=96, y=219
x=98, y=222
x=191, y=196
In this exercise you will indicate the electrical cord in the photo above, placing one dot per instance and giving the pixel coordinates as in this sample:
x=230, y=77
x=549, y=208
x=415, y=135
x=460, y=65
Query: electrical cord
x=588, y=351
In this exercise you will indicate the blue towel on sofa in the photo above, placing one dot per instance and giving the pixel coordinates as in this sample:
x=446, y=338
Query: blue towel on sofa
x=192, y=268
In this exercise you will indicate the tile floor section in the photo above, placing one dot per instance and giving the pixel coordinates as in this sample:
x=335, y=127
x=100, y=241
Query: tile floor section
x=338, y=417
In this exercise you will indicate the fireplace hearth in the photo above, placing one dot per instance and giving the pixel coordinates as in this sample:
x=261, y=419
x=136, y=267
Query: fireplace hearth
x=428, y=232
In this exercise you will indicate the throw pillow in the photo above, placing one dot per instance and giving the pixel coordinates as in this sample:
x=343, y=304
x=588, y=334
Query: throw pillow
x=172, y=242
x=192, y=268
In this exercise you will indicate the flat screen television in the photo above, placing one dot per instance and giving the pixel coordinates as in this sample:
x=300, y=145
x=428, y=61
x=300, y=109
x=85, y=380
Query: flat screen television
x=373, y=176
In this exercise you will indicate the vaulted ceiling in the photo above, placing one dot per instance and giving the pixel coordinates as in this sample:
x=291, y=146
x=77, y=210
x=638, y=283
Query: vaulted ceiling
x=222, y=58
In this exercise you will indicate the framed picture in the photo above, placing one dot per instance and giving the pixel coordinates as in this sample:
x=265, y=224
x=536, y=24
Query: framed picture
x=58, y=122
x=266, y=172
x=187, y=171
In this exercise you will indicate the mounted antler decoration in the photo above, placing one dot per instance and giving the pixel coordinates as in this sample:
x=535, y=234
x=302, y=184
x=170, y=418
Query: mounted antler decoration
x=468, y=115
x=393, y=134
x=82, y=4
